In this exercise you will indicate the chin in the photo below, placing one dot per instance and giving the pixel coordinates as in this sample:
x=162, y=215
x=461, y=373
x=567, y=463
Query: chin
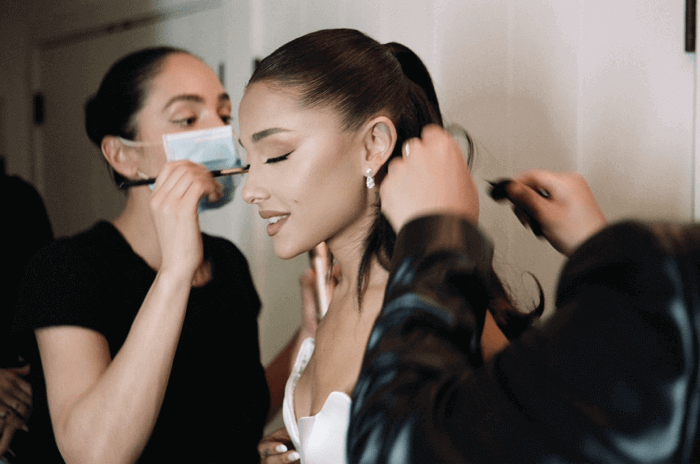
x=287, y=252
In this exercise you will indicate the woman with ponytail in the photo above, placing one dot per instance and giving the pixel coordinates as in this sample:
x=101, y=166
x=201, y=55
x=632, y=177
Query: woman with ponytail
x=320, y=119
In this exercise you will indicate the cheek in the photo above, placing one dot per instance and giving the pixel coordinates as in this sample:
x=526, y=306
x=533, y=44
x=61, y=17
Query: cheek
x=328, y=204
x=155, y=158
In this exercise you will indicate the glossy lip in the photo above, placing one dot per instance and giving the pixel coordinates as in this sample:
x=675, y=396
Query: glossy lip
x=272, y=229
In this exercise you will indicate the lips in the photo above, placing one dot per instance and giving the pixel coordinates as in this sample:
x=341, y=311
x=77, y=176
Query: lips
x=276, y=220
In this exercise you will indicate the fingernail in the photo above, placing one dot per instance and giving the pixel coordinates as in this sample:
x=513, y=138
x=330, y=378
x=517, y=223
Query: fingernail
x=293, y=456
x=281, y=449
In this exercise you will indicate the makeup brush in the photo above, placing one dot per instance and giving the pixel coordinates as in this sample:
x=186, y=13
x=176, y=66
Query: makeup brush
x=498, y=192
x=216, y=173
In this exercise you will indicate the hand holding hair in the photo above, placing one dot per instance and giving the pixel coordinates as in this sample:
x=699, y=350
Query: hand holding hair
x=557, y=205
x=431, y=177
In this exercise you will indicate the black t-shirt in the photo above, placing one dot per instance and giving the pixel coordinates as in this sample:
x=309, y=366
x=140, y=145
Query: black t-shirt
x=217, y=399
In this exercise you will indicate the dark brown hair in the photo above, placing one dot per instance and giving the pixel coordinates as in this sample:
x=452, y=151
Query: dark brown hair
x=359, y=77
x=122, y=94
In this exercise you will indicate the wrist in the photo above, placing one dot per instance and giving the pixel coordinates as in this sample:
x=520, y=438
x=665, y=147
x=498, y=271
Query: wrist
x=174, y=278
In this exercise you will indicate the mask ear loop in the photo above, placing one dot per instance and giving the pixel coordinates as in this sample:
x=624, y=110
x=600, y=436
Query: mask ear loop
x=137, y=144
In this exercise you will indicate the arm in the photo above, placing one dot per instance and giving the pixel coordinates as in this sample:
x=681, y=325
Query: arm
x=608, y=378
x=102, y=409
x=599, y=382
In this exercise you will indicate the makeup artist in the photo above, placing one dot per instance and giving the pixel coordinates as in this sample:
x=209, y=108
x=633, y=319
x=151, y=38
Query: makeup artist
x=145, y=343
x=611, y=376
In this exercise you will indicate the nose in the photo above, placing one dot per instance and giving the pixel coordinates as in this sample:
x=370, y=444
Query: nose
x=252, y=192
x=212, y=120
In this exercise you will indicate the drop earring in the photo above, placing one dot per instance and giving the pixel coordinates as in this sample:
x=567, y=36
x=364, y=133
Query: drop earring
x=370, y=179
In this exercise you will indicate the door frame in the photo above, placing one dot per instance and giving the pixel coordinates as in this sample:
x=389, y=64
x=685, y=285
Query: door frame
x=695, y=194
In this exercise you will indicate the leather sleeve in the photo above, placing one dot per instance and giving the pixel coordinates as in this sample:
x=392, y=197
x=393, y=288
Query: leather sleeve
x=611, y=376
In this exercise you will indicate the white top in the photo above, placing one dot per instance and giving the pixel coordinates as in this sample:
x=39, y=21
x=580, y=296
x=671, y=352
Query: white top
x=318, y=439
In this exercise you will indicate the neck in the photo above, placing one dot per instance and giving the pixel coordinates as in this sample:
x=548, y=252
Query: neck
x=347, y=248
x=136, y=225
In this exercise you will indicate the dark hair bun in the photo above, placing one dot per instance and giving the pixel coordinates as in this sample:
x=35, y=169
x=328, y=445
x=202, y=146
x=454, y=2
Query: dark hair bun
x=122, y=93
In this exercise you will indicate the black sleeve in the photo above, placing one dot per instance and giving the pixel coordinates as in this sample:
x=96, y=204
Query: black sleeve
x=610, y=377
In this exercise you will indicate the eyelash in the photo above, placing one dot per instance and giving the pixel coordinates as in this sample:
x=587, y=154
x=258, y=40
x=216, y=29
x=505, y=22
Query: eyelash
x=186, y=122
x=277, y=159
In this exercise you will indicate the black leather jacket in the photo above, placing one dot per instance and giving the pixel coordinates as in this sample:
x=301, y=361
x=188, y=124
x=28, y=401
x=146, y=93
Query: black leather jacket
x=610, y=377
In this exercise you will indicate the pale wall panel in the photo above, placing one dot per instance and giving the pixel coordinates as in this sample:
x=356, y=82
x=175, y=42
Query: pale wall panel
x=636, y=108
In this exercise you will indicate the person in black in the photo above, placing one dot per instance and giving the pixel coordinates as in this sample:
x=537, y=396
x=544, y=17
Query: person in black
x=26, y=230
x=144, y=335
x=610, y=377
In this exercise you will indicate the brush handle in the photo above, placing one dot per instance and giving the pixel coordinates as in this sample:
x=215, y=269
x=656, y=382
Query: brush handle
x=498, y=192
x=152, y=180
x=321, y=263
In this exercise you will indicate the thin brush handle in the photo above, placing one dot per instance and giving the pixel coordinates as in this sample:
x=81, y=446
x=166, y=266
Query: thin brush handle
x=151, y=180
x=321, y=263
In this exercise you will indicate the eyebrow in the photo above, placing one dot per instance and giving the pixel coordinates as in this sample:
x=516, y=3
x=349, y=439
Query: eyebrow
x=224, y=97
x=266, y=133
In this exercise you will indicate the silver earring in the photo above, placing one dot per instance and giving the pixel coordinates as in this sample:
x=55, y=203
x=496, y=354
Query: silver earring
x=370, y=179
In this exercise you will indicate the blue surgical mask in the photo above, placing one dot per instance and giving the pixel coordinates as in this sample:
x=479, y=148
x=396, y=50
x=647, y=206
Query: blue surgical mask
x=214, y=148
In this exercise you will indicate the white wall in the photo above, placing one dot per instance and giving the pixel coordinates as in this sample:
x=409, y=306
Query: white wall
x=602, y=88
x=636, y=103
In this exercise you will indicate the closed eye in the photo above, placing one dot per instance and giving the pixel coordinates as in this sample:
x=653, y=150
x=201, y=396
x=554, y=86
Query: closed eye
x=277, y=159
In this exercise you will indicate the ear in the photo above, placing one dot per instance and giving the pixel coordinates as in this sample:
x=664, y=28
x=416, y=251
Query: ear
x=119, y=157
x=379, y=141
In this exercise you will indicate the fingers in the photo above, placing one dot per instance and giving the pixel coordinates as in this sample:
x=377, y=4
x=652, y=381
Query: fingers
x=336, y=275
x=15, y=393
x=185, y=182
x=432, y=177
x=174, y=207
x=561, y=203
x=307, y=280
x=6, y=439
x=16, y=407
x=274, y=453
x=541, y=179
x=9, y=424
x=23, y=370
x=528, y=200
